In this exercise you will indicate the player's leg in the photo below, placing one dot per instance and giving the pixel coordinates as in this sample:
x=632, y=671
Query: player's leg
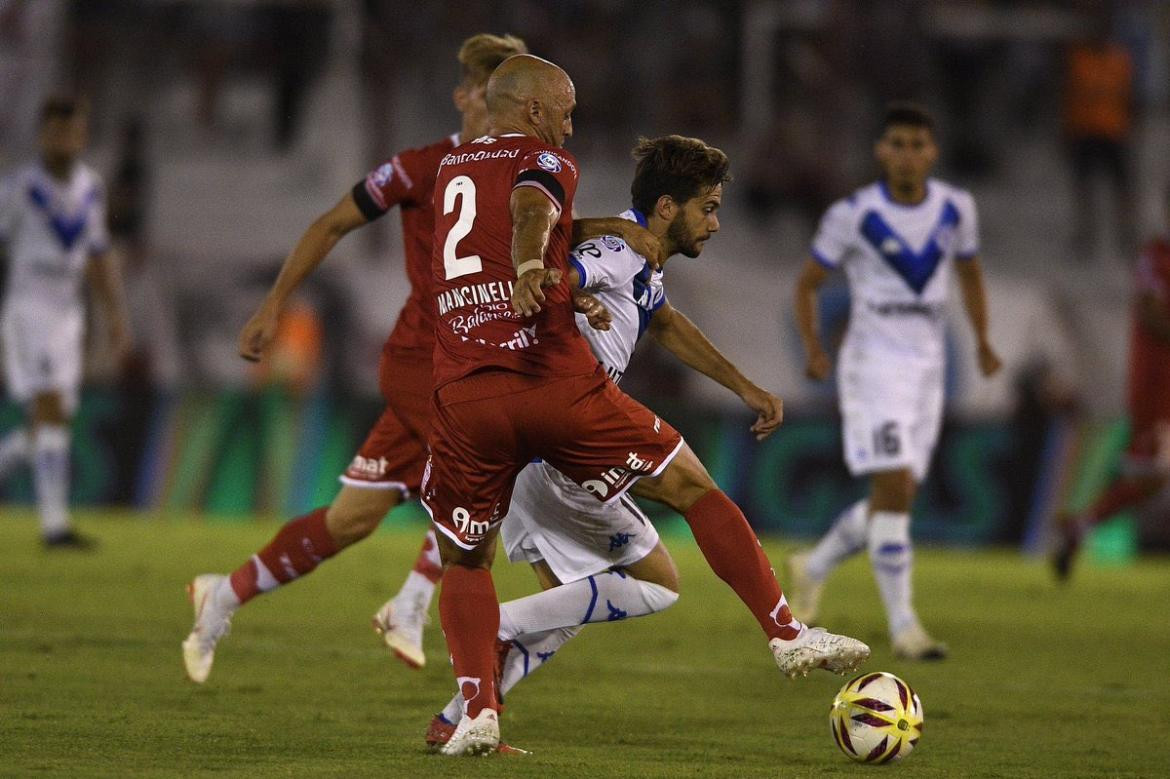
x=470, y=616
x=295, y=551
x=50, y=447
x=734, y=553
x=808, y=570
x=521, y=653
x=14, y=450
x=401, y=619
x=1144, y=475
x=891, y=555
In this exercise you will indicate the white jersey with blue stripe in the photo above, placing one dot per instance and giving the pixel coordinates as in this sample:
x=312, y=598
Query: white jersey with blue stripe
x=627, y=285
x=897, y=259
x=50, y=229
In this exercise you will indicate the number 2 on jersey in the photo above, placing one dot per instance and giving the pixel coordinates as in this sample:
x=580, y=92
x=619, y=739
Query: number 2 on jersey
x=461, y=187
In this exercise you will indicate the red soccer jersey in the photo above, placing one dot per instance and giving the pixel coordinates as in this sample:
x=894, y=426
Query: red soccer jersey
x=472, y=262
x=408, y=181
x=1149, y=358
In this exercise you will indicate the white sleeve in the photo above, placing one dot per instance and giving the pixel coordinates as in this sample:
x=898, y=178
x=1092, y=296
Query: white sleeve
x=604, y=263
x=967, y=234
x=835, y=234
x=99, y=231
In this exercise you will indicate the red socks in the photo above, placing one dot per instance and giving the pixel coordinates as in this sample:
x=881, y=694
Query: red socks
x=470, y=615
x=734, y=554
x=296, y=550
x=428, y=563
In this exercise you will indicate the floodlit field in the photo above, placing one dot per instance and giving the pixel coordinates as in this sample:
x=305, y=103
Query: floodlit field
x=1044, y=681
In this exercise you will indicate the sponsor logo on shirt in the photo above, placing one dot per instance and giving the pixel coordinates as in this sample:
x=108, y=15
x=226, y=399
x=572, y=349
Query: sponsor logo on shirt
x=549, y=162
x=382, y=175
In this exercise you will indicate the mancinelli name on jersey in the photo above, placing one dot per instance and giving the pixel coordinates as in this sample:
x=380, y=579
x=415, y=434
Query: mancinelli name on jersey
x=474, y=295
x=476, y=156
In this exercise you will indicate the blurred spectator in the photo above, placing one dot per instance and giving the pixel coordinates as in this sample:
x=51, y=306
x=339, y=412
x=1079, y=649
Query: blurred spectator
x=153, y=360
x=1098, y=121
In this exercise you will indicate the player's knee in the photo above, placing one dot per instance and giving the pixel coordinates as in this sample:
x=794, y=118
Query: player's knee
x=892, y=491
x=658, y=597
x=348, y=525
x=49, y=409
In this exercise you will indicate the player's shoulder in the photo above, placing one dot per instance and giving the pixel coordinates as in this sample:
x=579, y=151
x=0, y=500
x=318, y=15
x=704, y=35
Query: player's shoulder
x=430, y=152
x=847, y=208
x=960, y=196
x=554, y=159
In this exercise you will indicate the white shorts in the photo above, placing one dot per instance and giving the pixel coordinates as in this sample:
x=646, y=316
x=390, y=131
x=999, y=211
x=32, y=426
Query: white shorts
x=554, y=520
x=891, y=411
x=42, y=351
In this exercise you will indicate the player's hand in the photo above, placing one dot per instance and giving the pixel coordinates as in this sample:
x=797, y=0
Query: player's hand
x=770, y=409
x=593, y=309
x=989, y=362
x=259, y=333
x=528, y=291
x=819, y=366
x=644, y=243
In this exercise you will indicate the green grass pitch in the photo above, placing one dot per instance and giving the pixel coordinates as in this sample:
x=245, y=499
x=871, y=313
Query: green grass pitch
x=1044, y=681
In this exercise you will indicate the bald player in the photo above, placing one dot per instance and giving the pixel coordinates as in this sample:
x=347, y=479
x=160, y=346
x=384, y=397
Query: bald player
x=515, y=381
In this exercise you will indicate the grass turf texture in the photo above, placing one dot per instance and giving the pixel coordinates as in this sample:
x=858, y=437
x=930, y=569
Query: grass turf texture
x=1044, y=681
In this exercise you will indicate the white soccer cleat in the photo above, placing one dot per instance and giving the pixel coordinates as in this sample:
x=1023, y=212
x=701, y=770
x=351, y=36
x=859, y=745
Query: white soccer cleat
x=400, y=624
x=213, y=621
x=804, y=592
x=818, y=648
x=914, y=643
x=475, y=736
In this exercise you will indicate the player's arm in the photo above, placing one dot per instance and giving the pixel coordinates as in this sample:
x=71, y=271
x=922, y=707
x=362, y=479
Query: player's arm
x=635, y=235
x=533, y=217
x=682, y=338
x=104, y=275
x=584, y=303
x=975, y=302
x=808, y=286
x=315, y=244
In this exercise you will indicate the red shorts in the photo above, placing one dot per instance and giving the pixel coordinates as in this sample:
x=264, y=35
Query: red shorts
x=488, y=426
x=394, y=453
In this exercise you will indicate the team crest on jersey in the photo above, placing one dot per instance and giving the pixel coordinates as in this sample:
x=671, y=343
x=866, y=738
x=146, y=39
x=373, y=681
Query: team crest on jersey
x=611, y=243
x=383, y=175
x=549, y=162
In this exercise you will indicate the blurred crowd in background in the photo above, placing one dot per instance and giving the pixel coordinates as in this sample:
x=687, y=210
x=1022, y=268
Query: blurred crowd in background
x=224, y=127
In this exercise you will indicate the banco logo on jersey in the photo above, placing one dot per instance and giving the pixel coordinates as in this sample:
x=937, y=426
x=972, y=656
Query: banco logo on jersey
x=549, y=162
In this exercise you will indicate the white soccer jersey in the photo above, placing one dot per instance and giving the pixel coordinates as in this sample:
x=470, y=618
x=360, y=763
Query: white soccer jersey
x=898, y=262
x=629, y=287
x=50, y=229
x=551, y=517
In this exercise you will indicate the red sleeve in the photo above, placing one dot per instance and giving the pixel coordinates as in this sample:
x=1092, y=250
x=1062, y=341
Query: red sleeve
x=552, y=171
x=384, y=187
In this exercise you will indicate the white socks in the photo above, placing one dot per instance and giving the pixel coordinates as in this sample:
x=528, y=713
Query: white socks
x=538, y=625
x=50, y=461
x=528, y=653
x=14, y=449
x=605, y=597
x=890, y=554
x=845, y=538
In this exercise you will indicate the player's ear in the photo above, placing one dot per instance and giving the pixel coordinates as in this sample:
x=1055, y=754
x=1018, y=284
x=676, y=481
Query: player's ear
x=535, y=112
x=666, y=208
x=459, y=97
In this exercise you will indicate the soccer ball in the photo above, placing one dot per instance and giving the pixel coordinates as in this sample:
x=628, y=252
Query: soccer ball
x=876, y=718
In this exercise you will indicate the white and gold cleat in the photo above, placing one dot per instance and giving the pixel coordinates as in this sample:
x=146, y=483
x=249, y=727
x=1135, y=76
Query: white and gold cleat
x=818, y=648
x=213, y=621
